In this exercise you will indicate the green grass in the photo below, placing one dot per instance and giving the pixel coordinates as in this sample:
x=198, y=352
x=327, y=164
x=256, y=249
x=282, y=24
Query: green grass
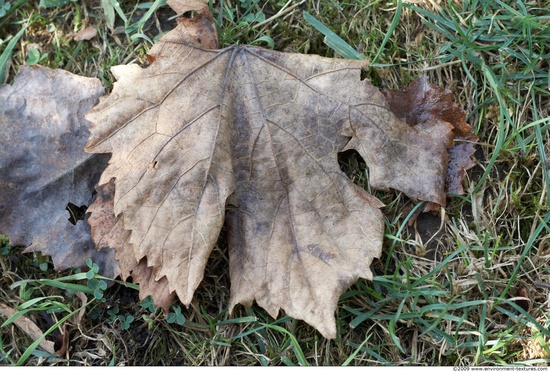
x=445, y=289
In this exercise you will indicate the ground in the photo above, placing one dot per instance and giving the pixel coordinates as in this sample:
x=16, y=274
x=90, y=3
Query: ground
x=465, y=286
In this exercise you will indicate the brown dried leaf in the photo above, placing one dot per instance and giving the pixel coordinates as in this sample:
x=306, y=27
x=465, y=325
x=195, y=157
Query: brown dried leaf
x=107, y=230
x=108, y=233
x=523, y=299
x=87, y=33
x=258, y=132
x=201, y=30
x=61, y=344
x=183, y=6
x=421, y=102
x=43, y=166
x=84, y=301
x=158, y=289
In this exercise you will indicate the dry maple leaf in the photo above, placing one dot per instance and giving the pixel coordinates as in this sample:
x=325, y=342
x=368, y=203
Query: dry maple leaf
x=257, y=133
x=43, y=166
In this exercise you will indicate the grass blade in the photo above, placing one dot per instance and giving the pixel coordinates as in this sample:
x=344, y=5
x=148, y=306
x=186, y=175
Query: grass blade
x=389, y=33
x=6, y=55
x=296, y=345
x=334, y=41
x=354, y=354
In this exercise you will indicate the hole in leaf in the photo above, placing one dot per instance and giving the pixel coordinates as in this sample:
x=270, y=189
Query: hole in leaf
x=353, y=165
x=76, y=213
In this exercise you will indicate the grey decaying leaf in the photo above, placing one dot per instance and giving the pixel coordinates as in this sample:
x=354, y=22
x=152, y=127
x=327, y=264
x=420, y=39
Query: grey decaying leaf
x=43, y=166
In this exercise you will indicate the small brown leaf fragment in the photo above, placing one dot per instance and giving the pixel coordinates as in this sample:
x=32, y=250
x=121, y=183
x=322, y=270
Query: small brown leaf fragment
x=421, y=102
x=460, y=161
x=202, y=30
x=84, y=301
x=61, y=344
x=183, y=6
x=522, y=299
x=200, y=27
x=87, y=33
x=28, y=326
